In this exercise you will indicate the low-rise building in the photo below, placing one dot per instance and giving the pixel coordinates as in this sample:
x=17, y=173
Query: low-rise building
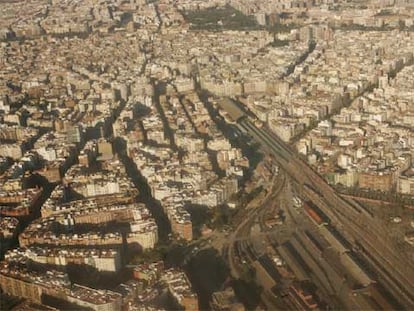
x=225, y=301
x=180, y=289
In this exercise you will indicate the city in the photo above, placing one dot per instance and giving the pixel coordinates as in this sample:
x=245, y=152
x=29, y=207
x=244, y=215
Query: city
x=206, y=155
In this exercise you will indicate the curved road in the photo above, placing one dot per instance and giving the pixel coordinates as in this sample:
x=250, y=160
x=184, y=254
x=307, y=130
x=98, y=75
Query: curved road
x=243, y=229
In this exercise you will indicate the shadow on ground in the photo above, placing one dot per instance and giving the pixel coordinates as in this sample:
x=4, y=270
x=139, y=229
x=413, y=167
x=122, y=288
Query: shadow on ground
x=208, y=273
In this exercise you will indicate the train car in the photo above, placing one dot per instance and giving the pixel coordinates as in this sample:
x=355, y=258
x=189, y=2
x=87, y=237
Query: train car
x=312, y=214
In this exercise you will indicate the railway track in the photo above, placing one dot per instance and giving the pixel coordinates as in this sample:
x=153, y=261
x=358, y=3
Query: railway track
x=353, y=224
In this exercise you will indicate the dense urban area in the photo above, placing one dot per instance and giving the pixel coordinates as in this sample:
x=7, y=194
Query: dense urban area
x=223, y=155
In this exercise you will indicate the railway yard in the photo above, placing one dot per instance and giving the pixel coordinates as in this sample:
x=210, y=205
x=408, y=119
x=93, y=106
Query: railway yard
x=309, y=247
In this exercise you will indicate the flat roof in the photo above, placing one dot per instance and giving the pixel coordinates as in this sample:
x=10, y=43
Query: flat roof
x=231, y=108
